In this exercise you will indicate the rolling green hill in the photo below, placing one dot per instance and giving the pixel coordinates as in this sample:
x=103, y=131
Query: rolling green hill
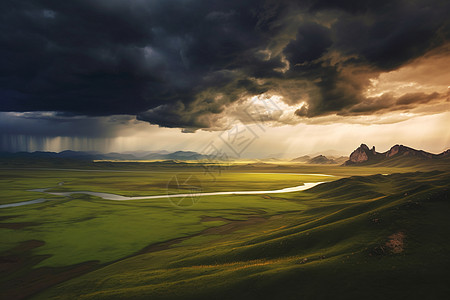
x=374, y=237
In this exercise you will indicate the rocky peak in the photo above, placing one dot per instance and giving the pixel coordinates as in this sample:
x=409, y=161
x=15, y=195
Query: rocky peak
x=361, y=154
x=407, y=151
x=363, y=147
x=394, y=150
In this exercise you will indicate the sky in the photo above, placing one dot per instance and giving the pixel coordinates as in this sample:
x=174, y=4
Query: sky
x=253, y=78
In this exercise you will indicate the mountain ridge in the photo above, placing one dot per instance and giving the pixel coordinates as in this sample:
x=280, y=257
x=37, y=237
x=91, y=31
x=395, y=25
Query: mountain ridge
x=85, y=155
x=365, y=156
x=321, y=159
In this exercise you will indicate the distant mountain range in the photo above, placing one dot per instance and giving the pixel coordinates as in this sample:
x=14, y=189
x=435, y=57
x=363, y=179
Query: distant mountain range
x=152, y=155
x=302, y=159
x=397, y=155
x=320, y=159
x=81, y=155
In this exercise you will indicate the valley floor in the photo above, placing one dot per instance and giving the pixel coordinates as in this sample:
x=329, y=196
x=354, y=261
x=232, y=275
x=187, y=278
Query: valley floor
x=373, y=236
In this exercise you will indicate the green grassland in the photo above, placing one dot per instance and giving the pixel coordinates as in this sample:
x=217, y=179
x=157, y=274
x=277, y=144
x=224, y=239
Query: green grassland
x=147, y=179
x=337, y=240
x=337, y=246
x=16, y=183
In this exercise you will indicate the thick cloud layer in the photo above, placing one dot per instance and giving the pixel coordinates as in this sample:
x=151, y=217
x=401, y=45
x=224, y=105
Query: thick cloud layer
x=181, y=63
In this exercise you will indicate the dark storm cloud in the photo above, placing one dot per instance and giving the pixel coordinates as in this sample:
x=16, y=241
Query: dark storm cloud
x=52, y=124
x=180, y=63
x=388, y=102
x=311, y=42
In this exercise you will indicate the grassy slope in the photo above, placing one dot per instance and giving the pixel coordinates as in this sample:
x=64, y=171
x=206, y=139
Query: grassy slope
x=335, y=247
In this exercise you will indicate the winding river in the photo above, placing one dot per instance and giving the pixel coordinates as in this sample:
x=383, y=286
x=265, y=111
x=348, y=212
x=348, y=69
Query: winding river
x=115, y=197
x=40, y=200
